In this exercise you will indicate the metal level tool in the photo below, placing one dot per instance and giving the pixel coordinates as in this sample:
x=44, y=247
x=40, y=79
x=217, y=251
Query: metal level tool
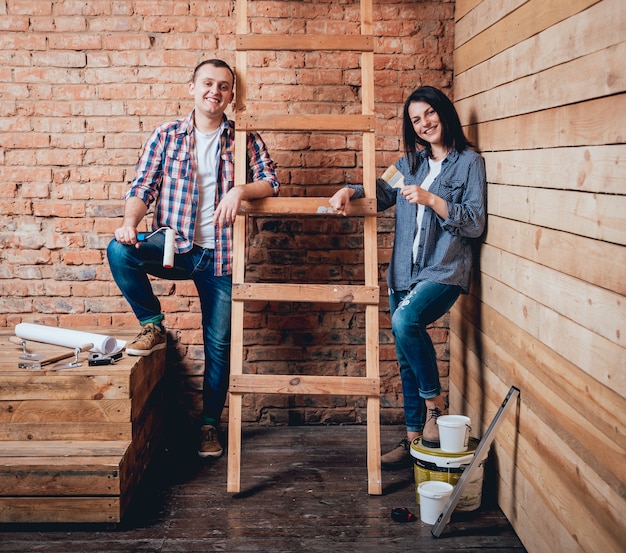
x=479, y=456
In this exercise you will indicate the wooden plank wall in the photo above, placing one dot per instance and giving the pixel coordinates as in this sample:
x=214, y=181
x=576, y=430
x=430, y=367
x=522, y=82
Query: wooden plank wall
x=542, y=87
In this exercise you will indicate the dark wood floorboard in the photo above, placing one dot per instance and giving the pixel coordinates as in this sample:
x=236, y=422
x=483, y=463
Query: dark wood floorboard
x=303, y=489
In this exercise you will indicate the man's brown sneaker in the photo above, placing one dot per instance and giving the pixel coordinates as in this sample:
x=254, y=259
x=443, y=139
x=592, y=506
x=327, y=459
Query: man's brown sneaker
x=151, y=338
x=209, y=443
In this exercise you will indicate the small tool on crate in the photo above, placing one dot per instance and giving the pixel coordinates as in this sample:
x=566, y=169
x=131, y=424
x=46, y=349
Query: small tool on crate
x=168, y=248
x=38, y=365
x=26, y=354
x=96, y=359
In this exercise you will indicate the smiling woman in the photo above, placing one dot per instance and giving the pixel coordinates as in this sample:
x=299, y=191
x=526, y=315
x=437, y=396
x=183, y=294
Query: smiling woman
x=440, y=209
x=428, y=128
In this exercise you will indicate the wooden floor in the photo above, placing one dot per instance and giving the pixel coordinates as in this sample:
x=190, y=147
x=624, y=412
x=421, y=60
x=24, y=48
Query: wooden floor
x=304, y=489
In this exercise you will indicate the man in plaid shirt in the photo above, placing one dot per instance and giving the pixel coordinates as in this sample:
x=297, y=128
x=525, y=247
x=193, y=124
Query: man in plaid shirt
x=186, y=171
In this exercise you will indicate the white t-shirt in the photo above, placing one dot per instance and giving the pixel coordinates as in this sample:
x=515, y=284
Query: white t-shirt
x=207, y=147
x=433, y=172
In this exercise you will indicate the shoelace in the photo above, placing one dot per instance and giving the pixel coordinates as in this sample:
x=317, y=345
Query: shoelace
x=209, y=434
x=434, y=413
x=148, y=330
x=404, y=444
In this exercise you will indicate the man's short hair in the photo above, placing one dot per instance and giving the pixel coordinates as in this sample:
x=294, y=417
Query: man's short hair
x=215, y=63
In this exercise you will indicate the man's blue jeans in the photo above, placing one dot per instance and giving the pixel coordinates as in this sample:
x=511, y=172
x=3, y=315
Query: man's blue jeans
x=412, y=311
x=131, y=266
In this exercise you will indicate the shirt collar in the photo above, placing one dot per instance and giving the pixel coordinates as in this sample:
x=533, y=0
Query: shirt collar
x=452, y=156
x=186, y=127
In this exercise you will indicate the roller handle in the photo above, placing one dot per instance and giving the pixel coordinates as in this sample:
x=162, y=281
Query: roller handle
x=168, y=248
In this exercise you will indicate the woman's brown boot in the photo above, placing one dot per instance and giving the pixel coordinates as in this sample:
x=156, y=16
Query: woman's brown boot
x=430, y=438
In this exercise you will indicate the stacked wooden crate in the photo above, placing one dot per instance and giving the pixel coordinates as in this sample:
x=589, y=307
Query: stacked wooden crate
x=74, y=443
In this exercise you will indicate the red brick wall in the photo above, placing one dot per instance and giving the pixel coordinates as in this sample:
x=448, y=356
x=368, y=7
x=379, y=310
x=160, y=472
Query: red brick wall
x=81, y=86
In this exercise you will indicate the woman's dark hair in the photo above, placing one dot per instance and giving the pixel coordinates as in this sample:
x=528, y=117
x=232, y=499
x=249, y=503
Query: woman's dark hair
x=453, y=136
x=214, y=63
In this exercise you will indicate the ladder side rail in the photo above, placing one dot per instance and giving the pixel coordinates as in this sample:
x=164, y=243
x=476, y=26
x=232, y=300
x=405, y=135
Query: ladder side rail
x=233, y=478
x=370, y=245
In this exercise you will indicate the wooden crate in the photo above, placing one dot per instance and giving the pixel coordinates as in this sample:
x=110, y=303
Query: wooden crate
x=75, y=443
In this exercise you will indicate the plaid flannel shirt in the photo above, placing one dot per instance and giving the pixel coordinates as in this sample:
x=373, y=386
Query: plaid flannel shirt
x=166, y=175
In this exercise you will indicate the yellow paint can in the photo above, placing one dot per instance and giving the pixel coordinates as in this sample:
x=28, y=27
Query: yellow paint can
x=434, y=464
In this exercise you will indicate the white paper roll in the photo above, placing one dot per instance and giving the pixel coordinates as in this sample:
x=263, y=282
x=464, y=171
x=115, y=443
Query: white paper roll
x=168, y=250
x=106, y=345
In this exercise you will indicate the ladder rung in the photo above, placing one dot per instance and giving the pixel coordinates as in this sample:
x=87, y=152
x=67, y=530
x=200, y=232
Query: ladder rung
x=313, y=293
x=354, y=43
x=321, y=122
x=304, y=384
x=305, y=206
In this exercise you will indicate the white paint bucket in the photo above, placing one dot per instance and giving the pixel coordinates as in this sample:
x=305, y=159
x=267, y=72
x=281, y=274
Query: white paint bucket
x=453, y=433
x=433, y=498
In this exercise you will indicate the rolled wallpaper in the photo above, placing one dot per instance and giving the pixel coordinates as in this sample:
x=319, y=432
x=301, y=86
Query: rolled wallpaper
x=106, y=345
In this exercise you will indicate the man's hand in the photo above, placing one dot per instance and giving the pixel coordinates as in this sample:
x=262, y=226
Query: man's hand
x=127, y=234
x=134, y=211
x=228, y=207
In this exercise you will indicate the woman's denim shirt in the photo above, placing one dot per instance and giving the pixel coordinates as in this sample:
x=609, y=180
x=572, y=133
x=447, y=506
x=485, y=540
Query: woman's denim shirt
x=445, y=251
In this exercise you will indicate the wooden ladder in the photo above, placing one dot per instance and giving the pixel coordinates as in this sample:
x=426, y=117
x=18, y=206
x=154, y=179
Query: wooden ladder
x=367, y=294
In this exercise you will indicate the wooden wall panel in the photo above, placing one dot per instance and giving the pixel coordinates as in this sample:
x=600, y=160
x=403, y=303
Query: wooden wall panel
x=530, y=18
x=582, y=34
x=544, y=457
x=596, y=122
x=589, y=169
x=541, y=86
x=563, y=84
x=473, y=17
x=603, y=262
x=593, y=215
x=566, y=295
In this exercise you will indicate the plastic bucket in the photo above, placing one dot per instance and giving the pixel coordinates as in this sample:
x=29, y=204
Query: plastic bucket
x=434, y=464
x=433, y=498
x=453, y=433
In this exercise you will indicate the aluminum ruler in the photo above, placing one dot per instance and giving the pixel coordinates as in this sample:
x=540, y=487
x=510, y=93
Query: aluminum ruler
x=479, y=456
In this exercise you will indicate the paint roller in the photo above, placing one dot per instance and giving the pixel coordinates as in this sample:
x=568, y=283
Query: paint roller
x=168, y=249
